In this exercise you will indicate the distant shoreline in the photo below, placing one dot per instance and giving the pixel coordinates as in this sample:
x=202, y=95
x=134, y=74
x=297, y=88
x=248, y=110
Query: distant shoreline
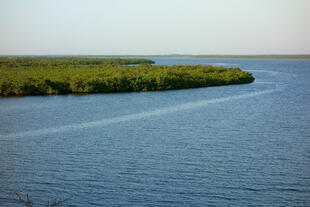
x=254, y=56
x=307, y=56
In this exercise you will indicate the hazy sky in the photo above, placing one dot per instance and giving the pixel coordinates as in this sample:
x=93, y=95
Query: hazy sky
x=42, y=27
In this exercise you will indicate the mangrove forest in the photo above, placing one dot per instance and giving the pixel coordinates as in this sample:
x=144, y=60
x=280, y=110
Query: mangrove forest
x=60, y=75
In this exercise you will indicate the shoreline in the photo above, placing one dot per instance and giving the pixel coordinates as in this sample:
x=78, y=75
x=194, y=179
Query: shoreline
x=304, y=56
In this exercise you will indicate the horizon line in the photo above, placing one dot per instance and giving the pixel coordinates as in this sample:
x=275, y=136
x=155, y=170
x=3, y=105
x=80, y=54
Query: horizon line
x=172, y=54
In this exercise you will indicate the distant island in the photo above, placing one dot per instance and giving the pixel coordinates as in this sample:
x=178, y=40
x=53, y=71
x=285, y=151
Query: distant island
x=63, y=75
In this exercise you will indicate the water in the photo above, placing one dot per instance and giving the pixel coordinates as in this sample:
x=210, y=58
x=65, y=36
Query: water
x=240, y=145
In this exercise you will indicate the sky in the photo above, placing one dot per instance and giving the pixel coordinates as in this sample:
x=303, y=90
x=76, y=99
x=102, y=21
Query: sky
x=148, y=27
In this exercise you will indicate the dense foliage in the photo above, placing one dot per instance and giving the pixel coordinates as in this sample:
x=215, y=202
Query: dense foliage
x=67, y=61
x=26, y=76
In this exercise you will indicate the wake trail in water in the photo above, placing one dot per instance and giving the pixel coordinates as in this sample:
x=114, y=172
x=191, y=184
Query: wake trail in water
x=273, y=73
x=137, y=116
x=266, y=71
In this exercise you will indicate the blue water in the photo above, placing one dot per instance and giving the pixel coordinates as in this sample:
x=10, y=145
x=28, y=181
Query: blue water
x=240, y=145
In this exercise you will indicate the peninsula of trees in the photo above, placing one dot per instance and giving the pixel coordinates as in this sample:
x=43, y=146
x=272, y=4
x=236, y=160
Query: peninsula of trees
x=46, y=75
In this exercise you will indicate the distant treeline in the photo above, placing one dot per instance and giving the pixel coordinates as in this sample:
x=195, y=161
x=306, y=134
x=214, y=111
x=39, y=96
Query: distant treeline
x=254, y=56
x=67, y=61
x=31, y=76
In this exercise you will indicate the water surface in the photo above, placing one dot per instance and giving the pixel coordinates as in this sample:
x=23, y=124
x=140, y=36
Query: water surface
x=239, y=145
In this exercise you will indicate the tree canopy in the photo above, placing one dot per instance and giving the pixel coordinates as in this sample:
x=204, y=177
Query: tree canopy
x=33, y=76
